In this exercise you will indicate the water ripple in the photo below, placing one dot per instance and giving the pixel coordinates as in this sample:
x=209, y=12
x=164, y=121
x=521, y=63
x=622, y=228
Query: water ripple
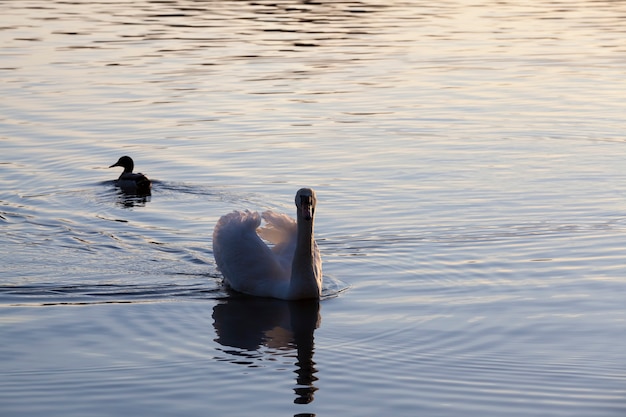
x=50, y=295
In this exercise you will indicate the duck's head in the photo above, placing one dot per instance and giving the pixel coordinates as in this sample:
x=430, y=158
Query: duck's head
x=126, y=162
x=305, y=202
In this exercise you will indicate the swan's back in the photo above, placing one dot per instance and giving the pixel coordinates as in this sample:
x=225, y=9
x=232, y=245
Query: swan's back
x=247, y=263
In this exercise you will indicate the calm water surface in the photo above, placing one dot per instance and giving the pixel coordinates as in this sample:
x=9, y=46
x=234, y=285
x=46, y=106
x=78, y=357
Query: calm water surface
x=469, y=163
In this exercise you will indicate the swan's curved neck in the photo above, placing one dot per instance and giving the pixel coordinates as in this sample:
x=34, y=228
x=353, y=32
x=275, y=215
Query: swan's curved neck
x=305, y=237
x=304, y=281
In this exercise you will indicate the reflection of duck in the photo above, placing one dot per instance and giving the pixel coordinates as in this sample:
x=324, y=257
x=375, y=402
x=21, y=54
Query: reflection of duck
x=128, y=200
x=248, y=323
x=290, y=270
x=130, y=182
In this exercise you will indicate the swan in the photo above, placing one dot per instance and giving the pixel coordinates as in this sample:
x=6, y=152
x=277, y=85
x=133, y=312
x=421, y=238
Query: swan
x=289, y=270
x=129, y=182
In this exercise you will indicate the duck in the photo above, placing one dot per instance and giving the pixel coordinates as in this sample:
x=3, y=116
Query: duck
x=289, y=269
x=130, y=182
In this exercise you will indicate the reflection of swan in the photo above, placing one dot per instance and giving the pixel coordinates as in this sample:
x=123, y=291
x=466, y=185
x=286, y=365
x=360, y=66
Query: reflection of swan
x=290, y=270
x=130, y=182
x=248, y=323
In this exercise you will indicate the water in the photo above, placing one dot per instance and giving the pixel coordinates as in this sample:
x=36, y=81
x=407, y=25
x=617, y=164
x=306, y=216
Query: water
x=468, y=160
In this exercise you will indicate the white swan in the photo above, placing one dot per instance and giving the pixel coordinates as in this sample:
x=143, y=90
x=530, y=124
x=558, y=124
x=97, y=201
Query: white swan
x=290, y=270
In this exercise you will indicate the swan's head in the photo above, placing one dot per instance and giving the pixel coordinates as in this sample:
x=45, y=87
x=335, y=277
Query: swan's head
x=305, y=202
x=126, y=162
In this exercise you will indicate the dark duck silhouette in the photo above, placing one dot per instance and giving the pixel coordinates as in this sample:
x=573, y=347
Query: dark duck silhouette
x=130, y=182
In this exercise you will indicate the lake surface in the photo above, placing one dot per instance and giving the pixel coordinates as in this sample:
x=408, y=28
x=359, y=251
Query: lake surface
x=469, y=161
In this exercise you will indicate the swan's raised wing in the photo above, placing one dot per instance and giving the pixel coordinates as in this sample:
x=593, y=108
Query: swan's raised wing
x=278, y=229
x=246, y=262
x=282, y=232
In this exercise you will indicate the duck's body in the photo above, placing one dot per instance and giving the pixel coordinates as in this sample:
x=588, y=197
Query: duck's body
x=290, y=270
x=130, y=182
